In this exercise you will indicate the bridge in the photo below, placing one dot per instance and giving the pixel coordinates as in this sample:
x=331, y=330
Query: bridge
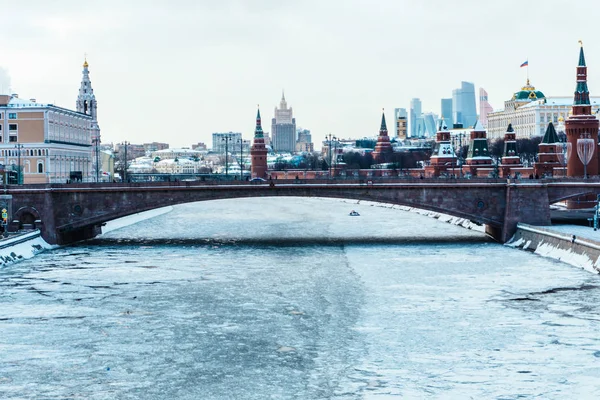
x=67, y=213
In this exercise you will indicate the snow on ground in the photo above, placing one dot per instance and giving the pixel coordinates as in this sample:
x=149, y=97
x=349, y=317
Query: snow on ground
x=134, y=218
x=577, y=230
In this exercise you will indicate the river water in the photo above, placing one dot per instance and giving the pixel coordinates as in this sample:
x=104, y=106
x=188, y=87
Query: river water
x=293, y=299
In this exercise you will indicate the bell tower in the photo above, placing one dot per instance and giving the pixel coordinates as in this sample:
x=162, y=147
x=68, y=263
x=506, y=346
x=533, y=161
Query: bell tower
x=87, y=104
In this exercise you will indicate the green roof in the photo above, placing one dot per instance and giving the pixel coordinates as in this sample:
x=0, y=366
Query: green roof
x=581, y=57
x=383, y=124
x=550, y=136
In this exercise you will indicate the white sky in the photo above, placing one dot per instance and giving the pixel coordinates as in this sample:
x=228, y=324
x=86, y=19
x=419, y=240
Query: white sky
x=176, y=71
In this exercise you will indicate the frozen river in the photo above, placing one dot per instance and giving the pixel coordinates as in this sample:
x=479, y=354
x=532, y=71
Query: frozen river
x=293, y=299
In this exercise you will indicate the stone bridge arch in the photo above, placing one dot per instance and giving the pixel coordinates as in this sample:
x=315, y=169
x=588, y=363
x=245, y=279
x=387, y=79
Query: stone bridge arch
x=76, y=212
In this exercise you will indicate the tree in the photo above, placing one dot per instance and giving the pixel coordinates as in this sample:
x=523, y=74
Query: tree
x=496, y=149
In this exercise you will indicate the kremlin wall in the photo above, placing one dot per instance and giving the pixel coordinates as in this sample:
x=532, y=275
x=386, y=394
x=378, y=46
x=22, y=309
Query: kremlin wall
x=578, y=157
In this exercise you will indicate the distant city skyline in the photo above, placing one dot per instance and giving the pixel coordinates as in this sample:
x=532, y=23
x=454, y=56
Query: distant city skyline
x=145, y=55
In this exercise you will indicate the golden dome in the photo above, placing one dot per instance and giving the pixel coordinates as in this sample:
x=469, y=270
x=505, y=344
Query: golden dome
x=561, y=119
x=85, y=63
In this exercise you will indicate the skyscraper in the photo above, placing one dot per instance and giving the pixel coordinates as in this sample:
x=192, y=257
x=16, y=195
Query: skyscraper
x=463, y=105
x=283, y=128
x=417, y=125
x=446, y=109
x=484, y=107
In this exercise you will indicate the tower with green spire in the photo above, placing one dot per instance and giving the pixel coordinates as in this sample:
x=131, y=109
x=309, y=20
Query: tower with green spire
x=258, y=151
x=582, y=123
x=510, y=157
x=548, y=153
x=383, y=149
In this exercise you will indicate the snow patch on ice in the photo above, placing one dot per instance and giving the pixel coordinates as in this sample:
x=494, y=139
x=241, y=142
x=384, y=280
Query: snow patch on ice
x=465, y=223
x=134, y=218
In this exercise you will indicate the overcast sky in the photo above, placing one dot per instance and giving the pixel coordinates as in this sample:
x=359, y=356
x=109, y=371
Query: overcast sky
x=176, y=71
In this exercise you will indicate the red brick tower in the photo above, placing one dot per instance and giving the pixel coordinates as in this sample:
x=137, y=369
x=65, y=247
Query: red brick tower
x=383, y=148
x=510, y=158
x=548, y=154
x=581, y=123
x=259, y=151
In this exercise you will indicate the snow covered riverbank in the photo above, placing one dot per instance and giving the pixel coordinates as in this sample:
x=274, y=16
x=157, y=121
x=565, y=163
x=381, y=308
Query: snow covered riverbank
x=21, y=247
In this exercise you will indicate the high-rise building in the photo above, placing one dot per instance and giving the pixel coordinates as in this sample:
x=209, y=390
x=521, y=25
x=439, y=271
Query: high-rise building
x=417, y=124
x=401, y=120
x=283, y=128
x=430, y=120
x=463, y=105
x=484, y=107
x=446, y=110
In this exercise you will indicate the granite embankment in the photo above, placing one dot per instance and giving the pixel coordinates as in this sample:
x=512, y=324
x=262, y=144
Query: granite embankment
x=575, y=245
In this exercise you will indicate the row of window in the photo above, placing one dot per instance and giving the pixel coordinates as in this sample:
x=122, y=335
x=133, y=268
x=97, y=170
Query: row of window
x=24, y=153
x=11, y=127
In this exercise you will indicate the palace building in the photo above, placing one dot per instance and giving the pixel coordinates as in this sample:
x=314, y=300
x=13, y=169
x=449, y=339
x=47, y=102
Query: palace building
x=44, y=143
x=529, y=112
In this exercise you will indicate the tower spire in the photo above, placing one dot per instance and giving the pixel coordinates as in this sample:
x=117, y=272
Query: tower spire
x=383, y=124
x=258, y=132
x=582, y=94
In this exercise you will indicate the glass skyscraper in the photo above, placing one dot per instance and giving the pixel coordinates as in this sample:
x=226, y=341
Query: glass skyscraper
x=463, y=105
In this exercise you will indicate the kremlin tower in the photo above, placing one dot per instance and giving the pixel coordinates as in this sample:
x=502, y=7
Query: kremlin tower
x=443, y=156
x=582, y=124
x=258, y=152
x=478, y=156
x=383, y=148
x=548, y=154
x=510, y=158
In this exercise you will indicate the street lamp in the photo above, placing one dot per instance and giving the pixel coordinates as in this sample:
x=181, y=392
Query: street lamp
x=96, y=143
x=125, y=143
x=19, y=147
x=328, y=141
x=241, y=141
x=226, y=139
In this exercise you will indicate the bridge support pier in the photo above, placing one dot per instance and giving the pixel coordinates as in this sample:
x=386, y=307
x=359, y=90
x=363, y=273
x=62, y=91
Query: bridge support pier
x=524, y=203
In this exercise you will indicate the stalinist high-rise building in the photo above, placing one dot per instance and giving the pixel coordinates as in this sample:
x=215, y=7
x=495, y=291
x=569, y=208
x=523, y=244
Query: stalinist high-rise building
x=283, y=128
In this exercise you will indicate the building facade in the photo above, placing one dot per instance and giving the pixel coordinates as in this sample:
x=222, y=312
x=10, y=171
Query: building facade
x=222, y=141
x=304, y=142
x=484, y=107
x=283, y=128
x=44, y=143
x=401, y=123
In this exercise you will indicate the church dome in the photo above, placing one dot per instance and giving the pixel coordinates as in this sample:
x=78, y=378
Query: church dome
x=528, y=93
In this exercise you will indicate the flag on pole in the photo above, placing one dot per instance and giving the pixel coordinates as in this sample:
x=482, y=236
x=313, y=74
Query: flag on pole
x=525, y=64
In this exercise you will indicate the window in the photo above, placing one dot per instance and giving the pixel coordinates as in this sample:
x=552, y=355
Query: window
x=12, y=115
x=12, y=127
x=12, y=138
x=40, y=168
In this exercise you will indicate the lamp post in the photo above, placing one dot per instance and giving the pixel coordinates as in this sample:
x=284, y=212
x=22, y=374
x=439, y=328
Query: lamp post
x=241, y=141
x=125, y=143
x=226, y=139
x=96, y=143
x=328, y=141
x=19, y=147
